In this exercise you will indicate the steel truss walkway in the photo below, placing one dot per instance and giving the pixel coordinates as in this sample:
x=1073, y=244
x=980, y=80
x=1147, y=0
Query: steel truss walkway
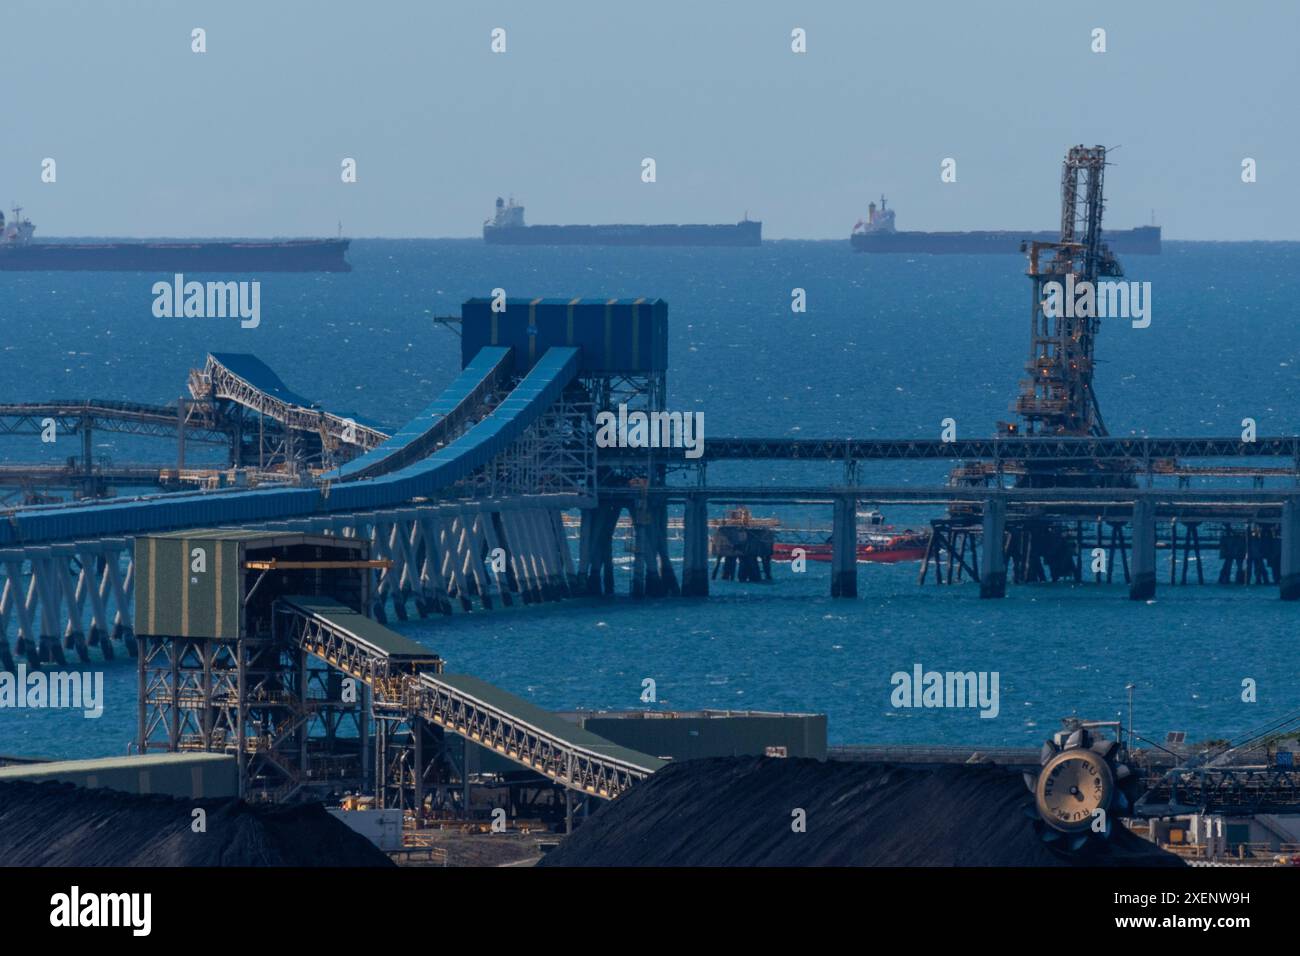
x=227, y=386
x=1244, y=791
x=249, y=382
x=1036, y=448
x=78, y=416
x=406, y=677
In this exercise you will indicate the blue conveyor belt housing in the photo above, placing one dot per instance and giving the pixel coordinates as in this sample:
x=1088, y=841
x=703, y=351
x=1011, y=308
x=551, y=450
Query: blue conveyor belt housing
x=522, y=407
x=434, y=426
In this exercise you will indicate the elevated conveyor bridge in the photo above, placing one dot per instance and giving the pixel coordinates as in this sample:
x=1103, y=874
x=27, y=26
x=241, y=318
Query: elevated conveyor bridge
x=488, y=477
x=523, y=407
x=247, y=381
x=194, y=421
x=406, y=677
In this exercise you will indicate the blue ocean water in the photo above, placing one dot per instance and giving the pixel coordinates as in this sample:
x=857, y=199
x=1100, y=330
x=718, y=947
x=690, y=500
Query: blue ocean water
x=889, y=346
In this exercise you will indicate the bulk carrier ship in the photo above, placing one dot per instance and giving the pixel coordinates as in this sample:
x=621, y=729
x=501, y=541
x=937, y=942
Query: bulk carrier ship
x=19, y=253
x=877, y=234
x=507, y=228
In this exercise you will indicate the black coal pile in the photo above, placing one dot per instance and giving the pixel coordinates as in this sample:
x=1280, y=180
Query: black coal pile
x=54, y=824
x=739, y=811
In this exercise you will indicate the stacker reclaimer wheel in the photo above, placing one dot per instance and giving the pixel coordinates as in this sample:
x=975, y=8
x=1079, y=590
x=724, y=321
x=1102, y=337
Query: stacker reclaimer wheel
x=1082, y=785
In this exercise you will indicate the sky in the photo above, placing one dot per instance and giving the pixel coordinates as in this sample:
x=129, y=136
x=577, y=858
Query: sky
x=247, y=139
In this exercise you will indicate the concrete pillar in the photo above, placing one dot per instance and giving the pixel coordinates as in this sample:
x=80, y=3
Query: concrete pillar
x=586, y=535
x=667, y=576
x=642, y=549
x=844, y=545
x=1144, y=550
x=525, y=573
x=592, y=548
x=537, y=554
x=649, y=541
x=1289, y=576
x=993, y=562
x=606, y=541
x=573, y=581
x=550, y=543
x=695, y=564
x=496, y=531
x=51, y=651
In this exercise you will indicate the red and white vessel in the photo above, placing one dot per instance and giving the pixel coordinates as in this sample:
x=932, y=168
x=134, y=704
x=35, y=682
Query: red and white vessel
x=877, y=542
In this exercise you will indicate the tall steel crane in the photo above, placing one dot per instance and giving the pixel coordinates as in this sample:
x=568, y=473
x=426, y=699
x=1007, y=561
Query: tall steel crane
x=1058, y=398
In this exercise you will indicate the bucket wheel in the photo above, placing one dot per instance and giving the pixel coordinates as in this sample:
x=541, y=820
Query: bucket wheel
x=1082, y=785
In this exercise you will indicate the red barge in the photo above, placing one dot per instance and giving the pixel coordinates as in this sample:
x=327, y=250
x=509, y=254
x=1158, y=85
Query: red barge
x=877, y=542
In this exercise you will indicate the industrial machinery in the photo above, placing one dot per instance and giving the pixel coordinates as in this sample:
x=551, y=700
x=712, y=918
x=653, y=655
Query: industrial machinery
x=1084, y=780
x=1088, y=781
x=1058, y=398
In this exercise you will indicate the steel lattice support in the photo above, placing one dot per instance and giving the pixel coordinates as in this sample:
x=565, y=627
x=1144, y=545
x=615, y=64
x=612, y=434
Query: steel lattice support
x=548, y=755
x=195, y=420
x=411, y=700
x=56, y=599
x=218, y=383
x=64, y=597
x=242, y=697
x=1057, y=398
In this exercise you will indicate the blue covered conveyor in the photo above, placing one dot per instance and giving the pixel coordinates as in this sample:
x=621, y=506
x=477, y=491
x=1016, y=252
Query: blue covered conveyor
x=435, y=425
x=522, y=407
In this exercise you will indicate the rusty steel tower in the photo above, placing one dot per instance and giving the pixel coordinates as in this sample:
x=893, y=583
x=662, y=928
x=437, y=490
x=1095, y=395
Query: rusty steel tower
x=1057, y=397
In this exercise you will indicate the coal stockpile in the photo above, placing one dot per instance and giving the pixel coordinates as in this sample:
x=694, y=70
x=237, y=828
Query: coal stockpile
x=739, y=811
x=55, y=824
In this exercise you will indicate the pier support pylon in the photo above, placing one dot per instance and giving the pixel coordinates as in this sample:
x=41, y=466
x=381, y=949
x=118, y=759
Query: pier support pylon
x=596, y=561
x=695, y=565
x=643, y=581
x=1289, y=570
x=1143, y=587
x=993, y=564
x=844, y=547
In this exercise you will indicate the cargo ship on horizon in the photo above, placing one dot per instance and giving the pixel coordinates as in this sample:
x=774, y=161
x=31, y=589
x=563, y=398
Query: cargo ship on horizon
x=507, y=228
x=20, y=253
x=877, y=234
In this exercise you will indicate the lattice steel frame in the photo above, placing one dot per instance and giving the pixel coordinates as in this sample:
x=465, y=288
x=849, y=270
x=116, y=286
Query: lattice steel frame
x=555, y=455
x=1058, y=396
x=241, y=697
x=67, y=597
x=223, y=384
x=483, y=724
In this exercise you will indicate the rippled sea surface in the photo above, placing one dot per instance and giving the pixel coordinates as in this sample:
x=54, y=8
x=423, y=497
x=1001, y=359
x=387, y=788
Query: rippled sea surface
x=889, y=347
